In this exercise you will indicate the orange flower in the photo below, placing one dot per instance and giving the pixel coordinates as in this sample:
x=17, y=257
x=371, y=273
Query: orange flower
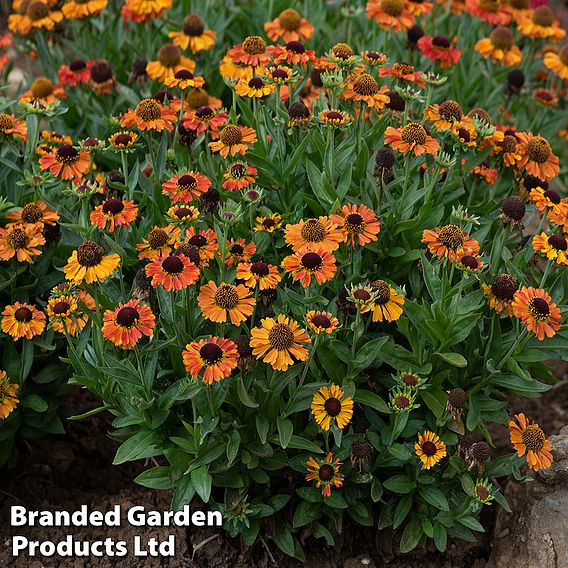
x=169, y=62
x=364, y=87
x=158, y=242
x=549, y=200
x=89, y=263
x=390, y=14
x=123, y=140
x=322, y=322
x=260, y=274
x=234, y=139
x=8, y=396
x=78, y=71
x=76, y=9
x=184, y=188
x=184, y=79
x=43, y=91
x=65, y=315
x=449, y=242
x=404, y=73
x=193, y=35
x=528, y=438
x=268, y=223
x=445, y=115
x=67, y=162
x=558, y=62
x=183, y=214
x=357, y=223
x=554, y=247
x=143, y=10
x=12, y=126
x=252, y=53
x=205, y=241
x=293, y=53
x=535, y=308
x=440, y=49
x=126, y=324
x=253, y=88
x=173, y=272
x=501, y=293
x=217, y=355
x=411, y=138
x=279, y=342
x=239, y=175
x=289, y=26
x=538, y=159
x=322, y=233
x=21, y=241
x=500, y=47
x=149, y=114
x=22, y=320
x=223, y=302
x=541, y=24
x=310, y=262
x=35, y=14
x=114, y=213
x=491, y=11
x=34, y=213
x=204, y=118
x=238, y=251
x=325, y=473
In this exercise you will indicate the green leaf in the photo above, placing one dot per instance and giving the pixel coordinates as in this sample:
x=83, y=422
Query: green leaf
x=141, y=445
x=471, y=523
x=243, y=395
x=299, y=443
x=319, y=531
x=262, y=426
x=202, y=480
x=284, y=540
x=411, y=535
x=285, y=430
x=454, y=359
x=402, y=509
x=376, y=490
x=35, y=402
x=435, y=497
x=440, y=536
x=156, y=478
x=305, y=513
x=399, y=484
x=233, y=446
x=372, y=400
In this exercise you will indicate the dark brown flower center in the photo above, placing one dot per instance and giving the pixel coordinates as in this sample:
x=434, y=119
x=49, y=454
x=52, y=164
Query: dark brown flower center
x=533, y=438
x=256, y=83
x=23, y=314
x=480, y=451
x=211, y=353
x=563, y=55
x=414, y=133
x=254, y=45
x=31, y=213
x=393, y=8
x=127, y=316
x=42, y=87
x=89, y=254
x=543, y=16
x=190, y=251
x=279, y=74
x=290, y=20
x=313, y=231
x=504, y=287
x=113, y=206
x=320, y=320
x=269, y=223
x=204, y=112
x=260, y=269
x=169, y=55
x=77, y=65
x=295, y=46
x=101, y=71
x=409, y=380
x=520, y=4
x=451, y=236
x=37, y=11
x=441, y=41
x=538, y=149
x=186, y=182
x=122, y=140
x=334, y=115
x=237, y=249
x=183, y=74
x=403, y=68
x=539, y=308
x=326, y=472
x=193, y=25
x=382, y=291
x=332, y=406
x=148, y=109
x=481, y=492
x=480, y=114
x=281, y=337
x=173, y=264
x=514, y=208
x=157, y=238
x=198, y=241
x=429, y=448
x=509, y=143
x=464, y=135
x=67, y=155
x=557, y=242
x=457, y=398
x=365, y=85
x=6, y=122
x=362, y=295
x=552, y=196
x=182, y=212
x=227, y=297
x=502, y=38
x=469, y=261
x=492, y=6
x=231, y=135
x=402, y=401
x=312, y=261
x=451, y=110
x=61, y=307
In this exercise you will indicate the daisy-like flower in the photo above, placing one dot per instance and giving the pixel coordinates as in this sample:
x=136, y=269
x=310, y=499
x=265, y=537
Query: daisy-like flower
x=558, y=62
x=35, y=14
x=114, y=213
x=173, y=272
x=279, y=74
x=537, y=311
x=77, y=9
x=279, y=342
x=325, y=472
x=483, y=491
x=445, y=115
x=184, y=188
x=144, y=10
x=204, y=118
x=390, y=14
x=404, y=73
x=528, y=438
x=260, y=273
x=159, y=241
x=205, y=241
x=553, y=247
x=149, y=114
x=252, y=53
x=321, y=233
x=386, y=304
x=169, y=62
x=430, y=449
x=537, y=156
x=402, y=400
x=334, y=118
x=238, y=251
x=439, y=48
x=268, y=223
x=216, y=357
x=293, y=53
x=123, y=140
x=13, y=127
x=541, y=24
x=449, y=242
x=500, y=294
x=493, y=12
x=65, y=316
x=362, y=296
x=469, y=262
x=21, y=241
x=184, y=79
x=8, y=395
x=224, y=302
x=500, y=47
x=77, y=72
x=409, y=380
x=22, y=320
x=44, y=92
x=289, y=26
x=193, y=35
x=67, y=162
x=411, y=138
x=358, y=223
x=322, y=322
x=548, y=200
x=254, y=88
x=545, y=97
x=364, y=87
x=329, y=404
x=309, y=262
x=90, y=264
x=127, y=323
x=239, y=175
x=182, y=214
x=234, y=139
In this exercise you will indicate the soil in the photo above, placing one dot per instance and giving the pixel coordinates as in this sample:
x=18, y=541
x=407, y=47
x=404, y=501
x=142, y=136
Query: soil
x=65, y=472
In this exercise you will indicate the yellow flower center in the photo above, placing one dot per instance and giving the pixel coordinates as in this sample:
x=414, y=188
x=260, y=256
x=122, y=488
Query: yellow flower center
x=290, y=20
x=17, y=239
x=6, y=122
x=31, y=213
x=313, y=231
x=414, y=133
x=169, y=55
x=281, y=337
x=365, y=85
x=227, y=297
x=393, y=8
x=451, y=236
x=41, y=88
x=533, y=438
x=148, y=109
x=254, y=45
x=538, y=149
x=231, y=135
x=403, y=68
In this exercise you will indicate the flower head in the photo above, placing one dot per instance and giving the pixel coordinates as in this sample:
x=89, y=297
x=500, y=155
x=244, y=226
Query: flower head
x=325, y=472
x=411, y=138
x=8, y=395
x=127, y=323
x=358, y=223
x=322, y=322
x=329, y=404
x=20, y=241
x=537, y=311
x=226, y=301
x=114, y=213
x=22, y=320
x=215, y=356
x=528, y=438
x=173, y=272
x=430, y=449
x=90, y=264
